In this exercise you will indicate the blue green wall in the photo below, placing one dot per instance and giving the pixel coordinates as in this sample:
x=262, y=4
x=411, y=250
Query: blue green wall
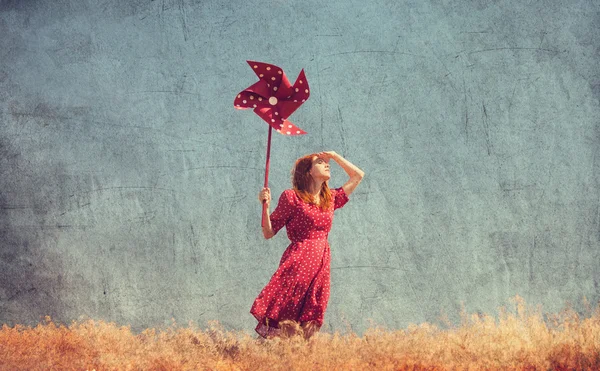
x=129, y=183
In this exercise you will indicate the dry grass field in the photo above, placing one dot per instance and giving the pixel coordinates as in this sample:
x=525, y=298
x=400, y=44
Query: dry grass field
x=517, y=339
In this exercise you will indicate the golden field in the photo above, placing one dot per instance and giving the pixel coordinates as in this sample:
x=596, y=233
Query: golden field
x=516, y=339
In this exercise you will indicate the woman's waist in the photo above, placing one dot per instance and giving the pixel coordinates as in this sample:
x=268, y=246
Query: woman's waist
x=312, y=238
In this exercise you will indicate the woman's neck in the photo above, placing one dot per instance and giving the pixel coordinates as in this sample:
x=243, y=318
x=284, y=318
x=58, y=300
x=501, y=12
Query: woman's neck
x=316, y=189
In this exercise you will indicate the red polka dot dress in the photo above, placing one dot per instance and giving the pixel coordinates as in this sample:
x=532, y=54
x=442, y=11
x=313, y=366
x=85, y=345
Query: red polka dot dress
x=299, y=289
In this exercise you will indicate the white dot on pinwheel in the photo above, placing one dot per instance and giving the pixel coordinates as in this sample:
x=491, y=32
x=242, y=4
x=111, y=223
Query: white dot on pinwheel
x=300, y=81
x=279, y=72
x=255, y=66
x=252, y=97
x=273, y=78
x=303, y=100
x=297, y=132
x=297, y=90
x=239, y=96
x=244, y=101
x=260, y=99
x=289, y=126
x=275, y=88
x=255, y=106
x=268, y=68
x=272, y=120
x=306, y=91
x=273, y=101
x=295, y=100
x=289, y=133
x=276, y=113
x=261, y=75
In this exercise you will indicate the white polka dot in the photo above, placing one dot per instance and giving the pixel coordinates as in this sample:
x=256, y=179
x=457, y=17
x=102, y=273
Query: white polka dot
x=288, y=132
x=289, y=126
x=254, y=105
x=268, y=68
x=244, y=101
x=275, y=88
x=279, y=72
x=306, y=91
x=272, y=120
x=239, y=95
x=273, y=78
x=297, y=90
x=251, y=97
x=260, y=99
x=276, y=113
x=304, y=100
x=255, y=66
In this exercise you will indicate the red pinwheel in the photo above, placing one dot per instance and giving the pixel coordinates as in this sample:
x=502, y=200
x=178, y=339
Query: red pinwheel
x=274, y=99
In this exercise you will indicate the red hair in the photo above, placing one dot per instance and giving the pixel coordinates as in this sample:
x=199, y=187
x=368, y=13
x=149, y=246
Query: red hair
x=301, y=180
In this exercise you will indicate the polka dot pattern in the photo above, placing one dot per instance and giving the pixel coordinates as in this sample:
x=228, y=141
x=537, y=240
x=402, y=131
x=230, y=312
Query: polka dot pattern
x=299, y=289
x=274, y=93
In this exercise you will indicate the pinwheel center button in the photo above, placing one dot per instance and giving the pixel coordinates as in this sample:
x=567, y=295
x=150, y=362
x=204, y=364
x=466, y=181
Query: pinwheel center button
x=273, y=101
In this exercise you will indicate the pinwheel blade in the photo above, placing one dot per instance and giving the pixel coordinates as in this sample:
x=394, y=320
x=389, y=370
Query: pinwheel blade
x=269, y=73
x=300, y=93
x=290, y=129
x=252, y=97
x=271, y=117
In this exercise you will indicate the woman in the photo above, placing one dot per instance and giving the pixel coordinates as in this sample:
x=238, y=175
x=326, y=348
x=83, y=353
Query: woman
x=298, y=291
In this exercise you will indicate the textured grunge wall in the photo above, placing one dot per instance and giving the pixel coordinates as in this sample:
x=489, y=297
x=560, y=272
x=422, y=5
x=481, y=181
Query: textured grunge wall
x=128, y=182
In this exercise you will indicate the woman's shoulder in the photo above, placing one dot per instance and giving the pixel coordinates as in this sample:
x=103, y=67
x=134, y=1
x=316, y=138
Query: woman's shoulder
x=290, y=193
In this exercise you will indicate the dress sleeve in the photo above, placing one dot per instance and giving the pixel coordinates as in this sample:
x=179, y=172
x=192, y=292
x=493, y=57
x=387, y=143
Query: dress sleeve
x=340, y=198
x=283, y=212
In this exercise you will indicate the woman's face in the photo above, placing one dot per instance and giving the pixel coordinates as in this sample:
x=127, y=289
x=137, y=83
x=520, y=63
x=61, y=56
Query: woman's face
x=320, y=169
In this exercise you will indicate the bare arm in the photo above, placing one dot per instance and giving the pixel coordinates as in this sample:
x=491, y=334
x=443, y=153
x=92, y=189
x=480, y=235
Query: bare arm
x=356, y=175
x=265, y=197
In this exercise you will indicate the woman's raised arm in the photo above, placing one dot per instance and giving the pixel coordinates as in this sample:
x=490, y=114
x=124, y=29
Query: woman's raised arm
x=356, y=175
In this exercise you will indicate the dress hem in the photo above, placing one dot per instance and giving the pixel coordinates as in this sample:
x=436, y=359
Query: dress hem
x=268, y=332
